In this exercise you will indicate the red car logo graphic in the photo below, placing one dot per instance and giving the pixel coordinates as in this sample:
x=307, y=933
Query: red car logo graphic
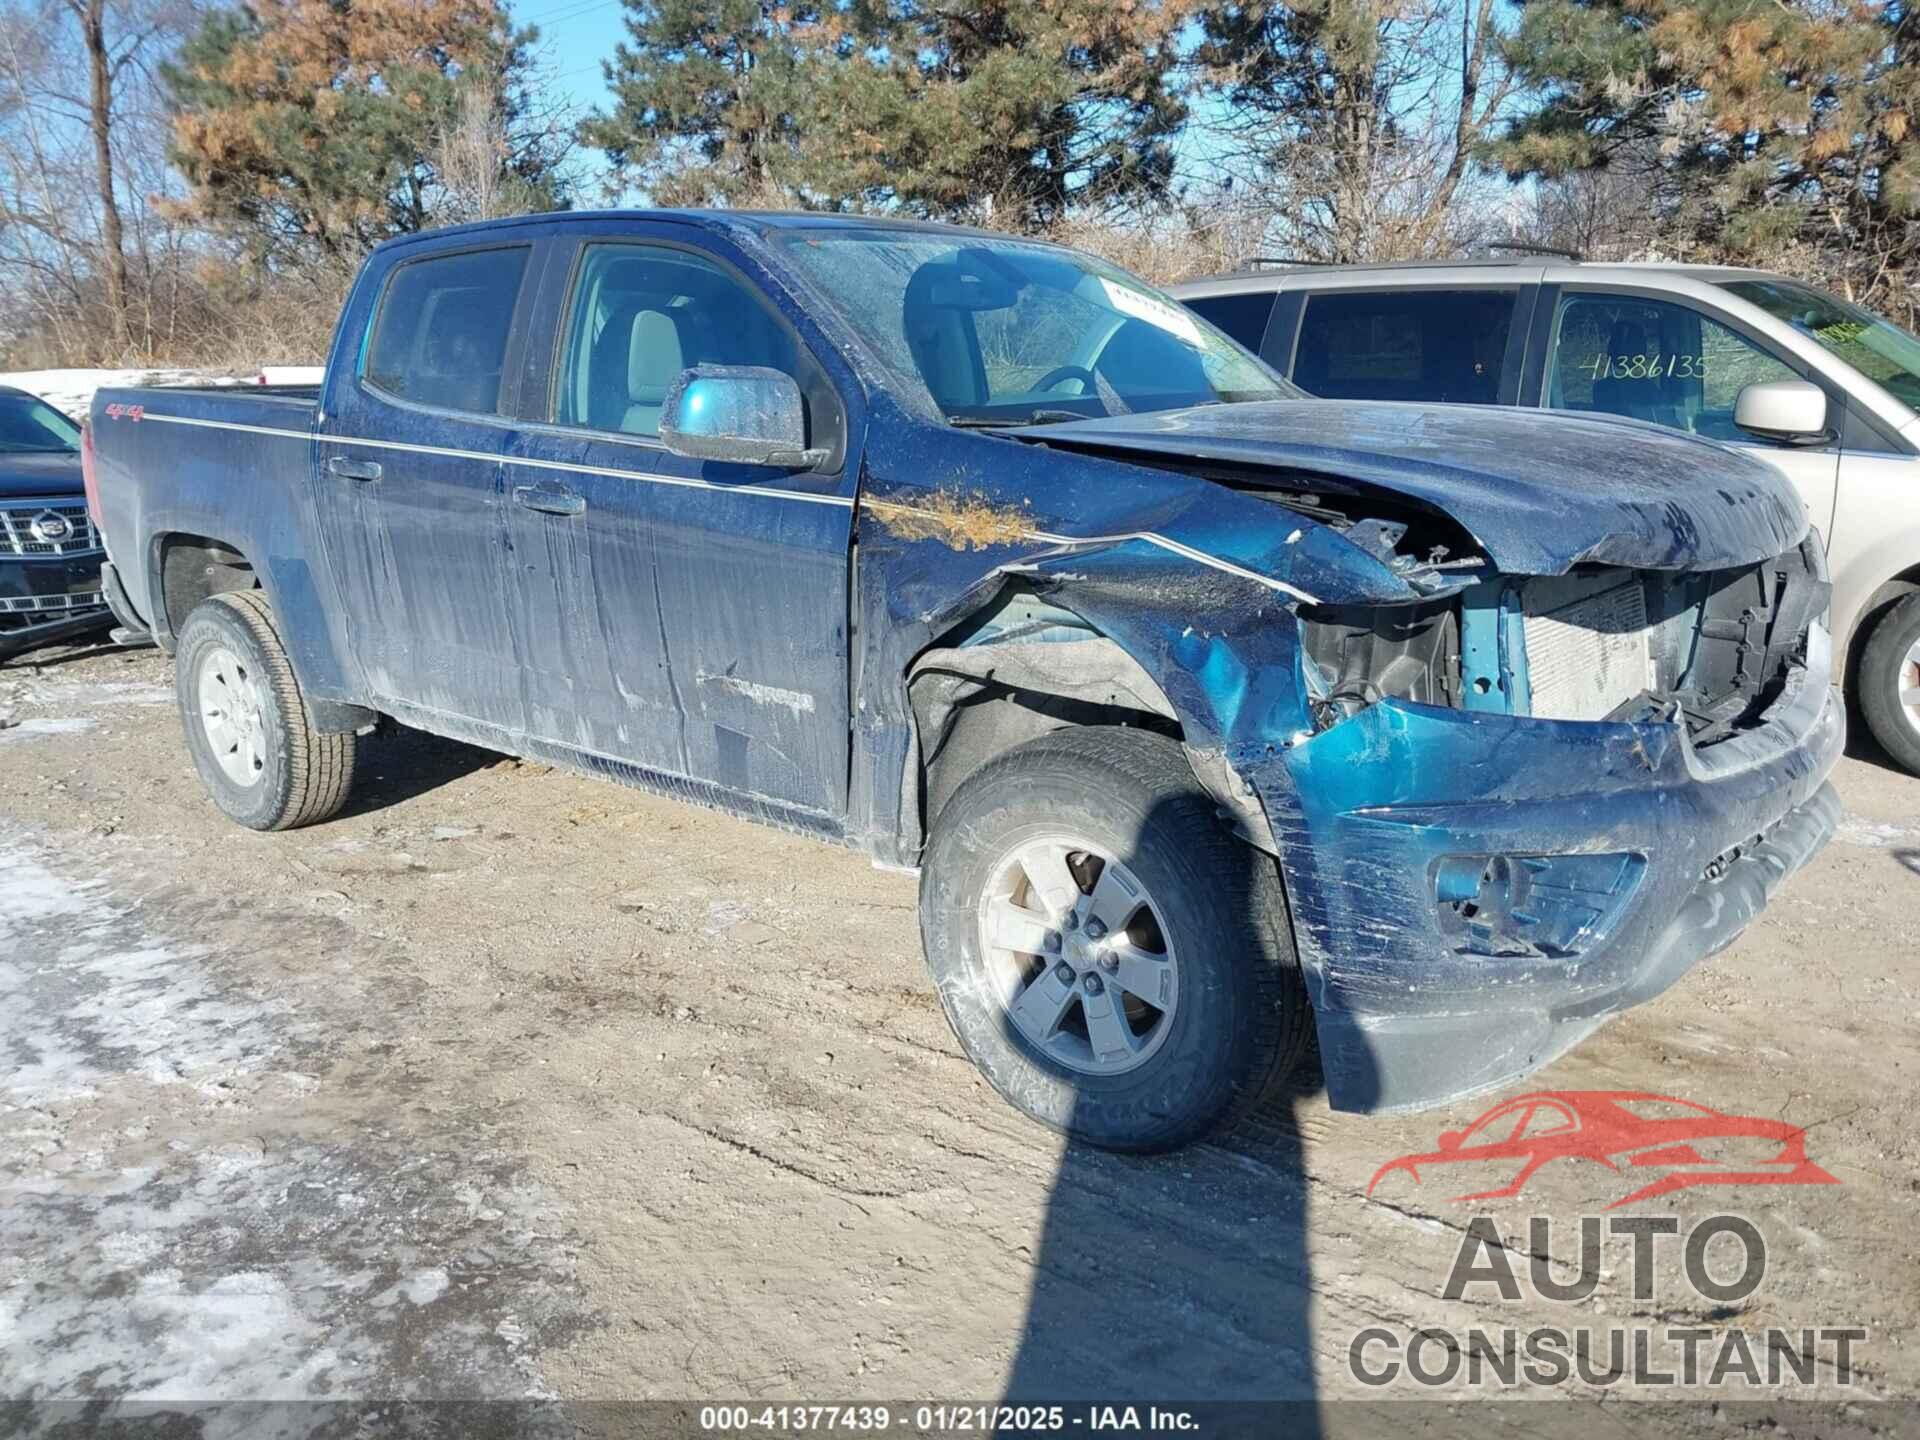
x=1626, y=1131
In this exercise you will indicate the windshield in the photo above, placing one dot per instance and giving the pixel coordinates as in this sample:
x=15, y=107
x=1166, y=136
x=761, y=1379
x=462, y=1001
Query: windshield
x=1883, y=352
x=33, y=425
x=27, y=424
x=988, y=331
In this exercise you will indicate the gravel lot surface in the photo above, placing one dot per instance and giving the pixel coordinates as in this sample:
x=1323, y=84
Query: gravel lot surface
x=513, y=1084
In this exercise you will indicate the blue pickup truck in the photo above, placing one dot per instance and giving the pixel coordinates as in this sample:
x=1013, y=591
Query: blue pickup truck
x=1209, y=714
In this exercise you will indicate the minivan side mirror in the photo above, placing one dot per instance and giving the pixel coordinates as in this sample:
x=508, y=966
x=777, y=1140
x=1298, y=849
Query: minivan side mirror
x=737, y=414
x=1791, y=412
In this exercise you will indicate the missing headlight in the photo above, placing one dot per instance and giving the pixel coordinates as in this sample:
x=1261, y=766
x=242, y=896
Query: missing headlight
x=1367, y=654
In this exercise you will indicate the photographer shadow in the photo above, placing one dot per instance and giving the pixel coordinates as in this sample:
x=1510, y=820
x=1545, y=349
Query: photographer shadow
x=1182, y=1279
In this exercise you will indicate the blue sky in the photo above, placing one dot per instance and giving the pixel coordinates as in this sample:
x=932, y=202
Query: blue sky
x=575, y=37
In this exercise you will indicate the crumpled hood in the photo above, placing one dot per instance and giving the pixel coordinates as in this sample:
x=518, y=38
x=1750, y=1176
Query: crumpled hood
x=39, y=476
x=1541, y=491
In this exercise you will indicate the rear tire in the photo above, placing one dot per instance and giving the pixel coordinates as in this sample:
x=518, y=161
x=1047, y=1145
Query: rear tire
x=1888, y=683
x=246, y=723
x=1047, y=998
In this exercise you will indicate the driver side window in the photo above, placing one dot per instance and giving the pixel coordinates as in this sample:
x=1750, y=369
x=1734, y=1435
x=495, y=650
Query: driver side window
x=640, y=315
x=1653, y=360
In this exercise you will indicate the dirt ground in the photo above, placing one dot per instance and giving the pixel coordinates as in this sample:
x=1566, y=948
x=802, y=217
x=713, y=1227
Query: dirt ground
x=512, y=1084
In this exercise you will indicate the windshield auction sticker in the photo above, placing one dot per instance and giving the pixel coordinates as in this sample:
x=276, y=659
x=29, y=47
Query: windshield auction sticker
x=1153, y=310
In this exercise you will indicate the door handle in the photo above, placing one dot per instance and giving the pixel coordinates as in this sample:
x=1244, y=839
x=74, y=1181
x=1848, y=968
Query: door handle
x=549, y=499
x=350, y=469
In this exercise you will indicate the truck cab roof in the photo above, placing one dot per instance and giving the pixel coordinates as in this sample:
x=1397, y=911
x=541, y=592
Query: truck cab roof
x=758, y=221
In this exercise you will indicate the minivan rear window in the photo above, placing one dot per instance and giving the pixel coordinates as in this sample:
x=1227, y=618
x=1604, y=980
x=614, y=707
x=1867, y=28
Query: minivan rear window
x=1444, y=346
x=440, y=336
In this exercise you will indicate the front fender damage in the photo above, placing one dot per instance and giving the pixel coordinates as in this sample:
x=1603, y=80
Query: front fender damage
x=1471, y=891
x=1196, y=585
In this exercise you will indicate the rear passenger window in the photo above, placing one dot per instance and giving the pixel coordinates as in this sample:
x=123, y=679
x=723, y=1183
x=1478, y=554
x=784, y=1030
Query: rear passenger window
x=1244, y=317
x=1436, y=345
x=440, y=337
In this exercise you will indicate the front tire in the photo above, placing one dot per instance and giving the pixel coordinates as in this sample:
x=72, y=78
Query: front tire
x=1889, y=683
x=1117, y=964
x=246, y=724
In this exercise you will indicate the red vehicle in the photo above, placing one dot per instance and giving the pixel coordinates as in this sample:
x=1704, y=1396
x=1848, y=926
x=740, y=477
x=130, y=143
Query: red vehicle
x=1626, y=1131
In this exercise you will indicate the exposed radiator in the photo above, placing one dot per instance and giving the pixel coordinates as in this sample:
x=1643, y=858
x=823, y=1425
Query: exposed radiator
x=1588, y=647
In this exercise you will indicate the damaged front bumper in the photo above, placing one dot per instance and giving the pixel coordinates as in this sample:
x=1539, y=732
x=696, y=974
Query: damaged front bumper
x=1474, y=893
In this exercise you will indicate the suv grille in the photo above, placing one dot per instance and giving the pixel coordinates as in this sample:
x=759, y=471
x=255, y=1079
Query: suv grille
x=33, y=528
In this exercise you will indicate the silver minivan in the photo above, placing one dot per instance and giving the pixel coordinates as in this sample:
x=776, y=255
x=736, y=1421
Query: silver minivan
x=1826, y=391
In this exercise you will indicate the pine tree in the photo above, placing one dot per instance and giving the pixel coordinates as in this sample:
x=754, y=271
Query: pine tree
x=1022, y=107
x=309, y=128
x=1768, y=123
x=704, y=98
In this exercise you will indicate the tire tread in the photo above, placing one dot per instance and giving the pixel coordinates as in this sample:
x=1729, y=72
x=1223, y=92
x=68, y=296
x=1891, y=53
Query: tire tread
x=320, y=765
x=1158, y=768
x=1893, y=634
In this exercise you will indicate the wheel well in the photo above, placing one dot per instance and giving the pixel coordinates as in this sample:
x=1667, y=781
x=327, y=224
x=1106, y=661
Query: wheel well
x=193, y=567
x=985, y=719
x=1019, y=671
x=1898, y=588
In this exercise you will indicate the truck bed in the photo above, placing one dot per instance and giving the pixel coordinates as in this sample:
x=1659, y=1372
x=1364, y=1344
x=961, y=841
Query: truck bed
x=198, y=461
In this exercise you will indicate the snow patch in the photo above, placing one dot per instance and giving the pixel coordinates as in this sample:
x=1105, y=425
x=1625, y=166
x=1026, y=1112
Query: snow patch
x=97, y=1007
x=210, y=1225
x=32, y=894
x=80, y=694
x=1869, y=835
x=425, y=1287
x=72, y=390
x=34, y=729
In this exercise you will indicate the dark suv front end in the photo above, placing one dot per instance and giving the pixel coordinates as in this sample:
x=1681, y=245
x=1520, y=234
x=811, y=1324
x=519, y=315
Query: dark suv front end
x=50, y=553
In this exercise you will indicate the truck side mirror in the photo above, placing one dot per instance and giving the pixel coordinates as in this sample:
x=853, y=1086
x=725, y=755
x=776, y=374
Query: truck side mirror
x=737, y=414
x=1789, y=412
